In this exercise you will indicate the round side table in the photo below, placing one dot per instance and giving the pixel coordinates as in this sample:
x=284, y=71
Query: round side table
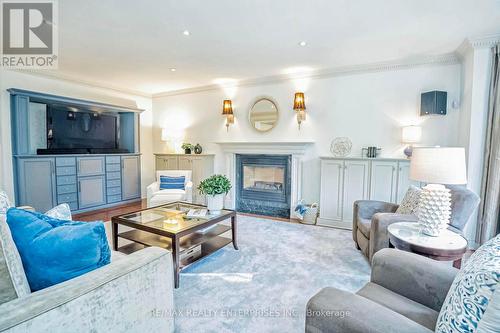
x=448, y=246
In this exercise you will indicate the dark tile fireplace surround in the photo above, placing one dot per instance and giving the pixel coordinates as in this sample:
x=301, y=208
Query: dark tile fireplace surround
x=263, y=184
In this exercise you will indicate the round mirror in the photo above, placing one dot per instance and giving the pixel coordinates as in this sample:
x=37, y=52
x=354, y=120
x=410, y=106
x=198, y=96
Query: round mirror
x=263, y=114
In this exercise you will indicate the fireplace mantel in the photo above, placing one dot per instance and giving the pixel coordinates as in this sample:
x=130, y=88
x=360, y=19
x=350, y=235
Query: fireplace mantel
x=271, y=147
x=295, y=148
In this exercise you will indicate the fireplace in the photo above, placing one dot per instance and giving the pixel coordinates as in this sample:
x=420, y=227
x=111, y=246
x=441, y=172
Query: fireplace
x=263, y=184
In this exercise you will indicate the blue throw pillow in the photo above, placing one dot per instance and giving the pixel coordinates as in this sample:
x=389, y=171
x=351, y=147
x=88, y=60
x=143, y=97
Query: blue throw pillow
x=172, y=183
x=53, y=250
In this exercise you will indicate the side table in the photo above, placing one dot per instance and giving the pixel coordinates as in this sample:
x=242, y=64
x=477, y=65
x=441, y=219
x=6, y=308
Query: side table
x=448, y=246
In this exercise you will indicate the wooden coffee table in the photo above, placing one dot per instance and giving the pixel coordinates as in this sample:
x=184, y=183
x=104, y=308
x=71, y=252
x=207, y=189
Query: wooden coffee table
x=448, y=246
x=168, y=227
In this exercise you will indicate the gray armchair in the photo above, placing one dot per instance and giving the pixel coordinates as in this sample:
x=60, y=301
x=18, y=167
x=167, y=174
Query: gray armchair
x=371, y=219
x=386, y=303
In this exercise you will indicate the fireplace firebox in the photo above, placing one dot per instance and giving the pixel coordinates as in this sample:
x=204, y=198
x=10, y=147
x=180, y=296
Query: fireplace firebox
x=263, y=184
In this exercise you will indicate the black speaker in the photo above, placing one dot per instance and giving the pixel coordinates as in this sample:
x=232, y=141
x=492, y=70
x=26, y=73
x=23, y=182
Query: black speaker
x=433, y=102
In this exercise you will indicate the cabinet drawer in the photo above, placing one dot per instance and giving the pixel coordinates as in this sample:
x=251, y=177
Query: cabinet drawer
x=66, y=198
x=66, y=180
x=65, y=161
x=113, y=159
x=73, y=205
x=65, y=189
x=113, y=175
x=65, y=171
x=114, y=190
x=114, y=183
x=114, y=198
x=112, y=167
x=90, y=166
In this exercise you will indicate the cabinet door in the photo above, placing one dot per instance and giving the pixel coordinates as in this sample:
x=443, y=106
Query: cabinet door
x=90, y=166
x=164, y=162
x=91, y=191
x=36, y=183
x=131, y=177
x=355, y=187
x=198, y=168
x=332, y=174
x=383, y=181
x=404, y=180
x=185, y=162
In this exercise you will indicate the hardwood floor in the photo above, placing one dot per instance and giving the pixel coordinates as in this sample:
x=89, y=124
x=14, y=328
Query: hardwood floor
x=106, y=213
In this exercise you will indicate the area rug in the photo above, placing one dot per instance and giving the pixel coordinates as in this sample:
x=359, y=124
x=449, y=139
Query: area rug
x=265, y=285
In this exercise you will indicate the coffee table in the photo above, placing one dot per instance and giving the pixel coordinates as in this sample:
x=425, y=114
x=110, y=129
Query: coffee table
x=448, y=246
x=167, y=226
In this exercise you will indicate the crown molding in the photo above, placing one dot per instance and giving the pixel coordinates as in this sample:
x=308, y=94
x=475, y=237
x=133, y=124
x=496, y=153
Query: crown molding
x=442, y=59
x=480, y=42
x=484, y=41
x=89, y=83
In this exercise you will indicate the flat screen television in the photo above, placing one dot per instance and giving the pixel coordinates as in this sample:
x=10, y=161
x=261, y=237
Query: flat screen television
x=71, y=130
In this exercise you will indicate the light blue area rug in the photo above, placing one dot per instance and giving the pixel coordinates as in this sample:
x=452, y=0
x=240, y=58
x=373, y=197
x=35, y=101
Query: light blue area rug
x=265, y=286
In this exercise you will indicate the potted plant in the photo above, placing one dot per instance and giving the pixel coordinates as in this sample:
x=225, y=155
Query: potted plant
x=187, y=147
x=215, y=188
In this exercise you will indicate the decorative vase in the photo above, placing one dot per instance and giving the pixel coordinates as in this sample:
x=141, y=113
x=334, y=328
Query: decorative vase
x=215, y=203
x=187, y=151
x=434, y=209
x=198, y=149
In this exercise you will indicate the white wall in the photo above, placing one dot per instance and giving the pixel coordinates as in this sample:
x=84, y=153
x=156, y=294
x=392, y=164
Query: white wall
x=10, y=79
x=369, y=108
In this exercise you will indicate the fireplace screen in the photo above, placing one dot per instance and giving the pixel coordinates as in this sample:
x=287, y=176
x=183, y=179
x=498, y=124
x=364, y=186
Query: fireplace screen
x=263, y=184
x=264, y=178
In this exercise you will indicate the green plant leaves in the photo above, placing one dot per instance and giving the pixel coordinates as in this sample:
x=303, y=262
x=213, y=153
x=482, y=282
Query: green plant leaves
x=216, y=184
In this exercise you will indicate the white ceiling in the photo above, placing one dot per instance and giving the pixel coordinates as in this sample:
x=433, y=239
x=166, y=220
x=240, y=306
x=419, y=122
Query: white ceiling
x=133, y=44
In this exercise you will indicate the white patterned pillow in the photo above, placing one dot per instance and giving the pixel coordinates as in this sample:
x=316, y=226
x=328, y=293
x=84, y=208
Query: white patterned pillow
x=471, y=290
x=61, y=212
x=4, y=202
x=409, y=204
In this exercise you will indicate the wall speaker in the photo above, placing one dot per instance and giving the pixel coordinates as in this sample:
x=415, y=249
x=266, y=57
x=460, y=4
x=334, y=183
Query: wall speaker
x=433, y=102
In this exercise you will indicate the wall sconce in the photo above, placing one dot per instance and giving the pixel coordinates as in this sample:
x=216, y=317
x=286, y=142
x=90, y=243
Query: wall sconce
x=299, y=105
x=227, y=110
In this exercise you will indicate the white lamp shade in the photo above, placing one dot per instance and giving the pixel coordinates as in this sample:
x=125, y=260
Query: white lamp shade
x=411, y=134
x=164, y=135
x=438, y=165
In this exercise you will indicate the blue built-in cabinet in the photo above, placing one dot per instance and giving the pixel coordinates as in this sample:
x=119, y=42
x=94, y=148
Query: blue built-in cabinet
x=83, y=181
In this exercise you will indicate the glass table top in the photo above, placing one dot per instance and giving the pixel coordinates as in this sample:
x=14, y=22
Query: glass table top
x=173, y=217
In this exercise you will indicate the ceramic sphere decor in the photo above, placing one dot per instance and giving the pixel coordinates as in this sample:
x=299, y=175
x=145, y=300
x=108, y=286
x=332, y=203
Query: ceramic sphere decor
x=341, y=147
x=434, y=209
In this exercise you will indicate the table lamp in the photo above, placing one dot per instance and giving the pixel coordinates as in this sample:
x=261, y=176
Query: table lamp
x=410, y=134
x=436, y=166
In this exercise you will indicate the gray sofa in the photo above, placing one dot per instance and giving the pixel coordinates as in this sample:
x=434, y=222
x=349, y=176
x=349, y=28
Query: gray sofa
x=405, y=294
x=371, y=219
x=133, y=293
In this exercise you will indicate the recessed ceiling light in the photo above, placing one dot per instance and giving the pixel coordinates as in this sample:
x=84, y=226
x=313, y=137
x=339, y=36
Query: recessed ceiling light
x=173, y=69
x=303, y=43
x=186, y=33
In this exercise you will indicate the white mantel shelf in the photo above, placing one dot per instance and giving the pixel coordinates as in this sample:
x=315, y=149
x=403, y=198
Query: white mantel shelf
x=259, y=147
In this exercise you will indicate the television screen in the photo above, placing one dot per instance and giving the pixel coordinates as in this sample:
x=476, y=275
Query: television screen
x=71, y=128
